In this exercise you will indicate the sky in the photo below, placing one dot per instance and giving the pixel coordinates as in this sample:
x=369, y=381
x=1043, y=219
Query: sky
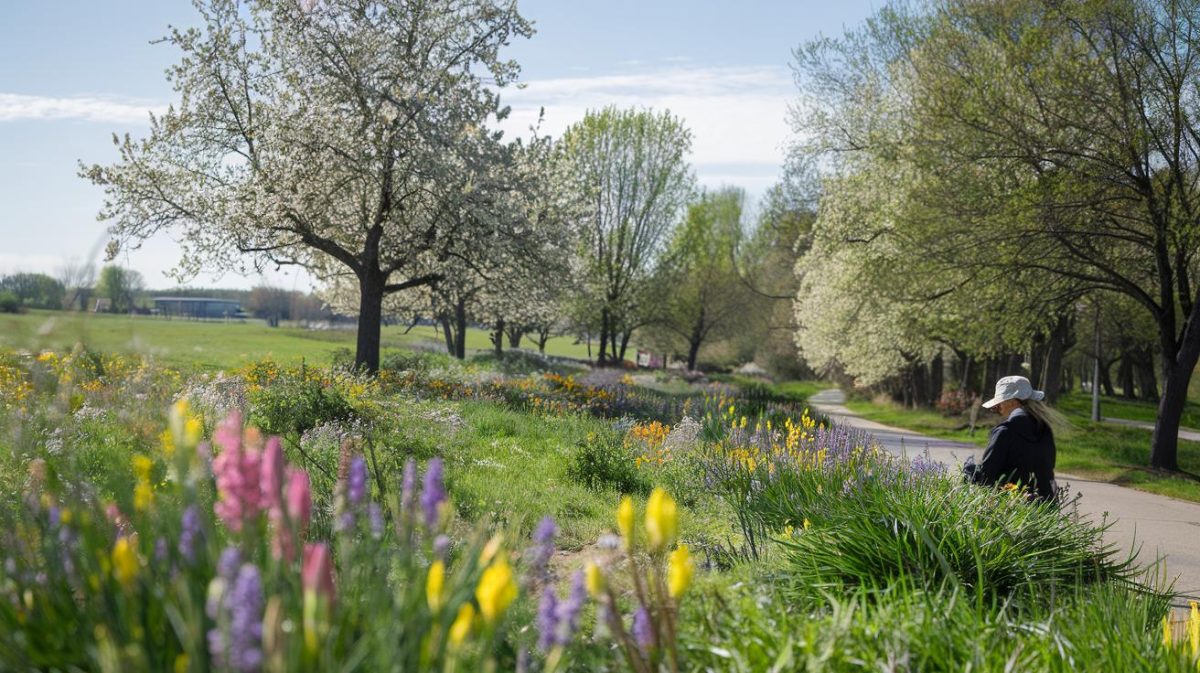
x=78, y=71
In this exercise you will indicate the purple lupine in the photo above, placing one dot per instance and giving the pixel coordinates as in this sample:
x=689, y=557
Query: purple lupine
x=567, y=614
x=161, y=552
x=245, y=621
x=643, y=631
x=189, y=534
x=356, y=481
x=543, y=548
x=441, y=546
x=433, y=492
x=227, y=565
x=547, y=619
x=375, y=517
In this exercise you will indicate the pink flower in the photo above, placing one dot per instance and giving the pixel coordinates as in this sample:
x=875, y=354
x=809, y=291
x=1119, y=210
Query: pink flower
x=272, y=473
x=237, y=470
x=299, y=512
x=317, y=574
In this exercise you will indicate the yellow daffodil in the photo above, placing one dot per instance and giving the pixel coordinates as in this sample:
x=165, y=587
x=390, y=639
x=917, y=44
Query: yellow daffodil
x=594, y=578
x=461, y=627
x=435, y=585
x=662, y=520
x=679, y=571
x=124, y=562
x=625, y=519
x=496, y=589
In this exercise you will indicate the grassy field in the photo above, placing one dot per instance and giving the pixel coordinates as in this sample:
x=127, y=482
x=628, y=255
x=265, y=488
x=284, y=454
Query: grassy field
x=1119, y=455
x=216, y=345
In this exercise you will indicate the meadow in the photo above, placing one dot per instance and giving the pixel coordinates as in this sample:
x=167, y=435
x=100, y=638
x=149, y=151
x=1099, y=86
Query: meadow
x=286, y=513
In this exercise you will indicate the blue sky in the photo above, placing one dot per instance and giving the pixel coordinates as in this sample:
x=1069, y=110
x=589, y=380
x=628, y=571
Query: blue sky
x=77, y=71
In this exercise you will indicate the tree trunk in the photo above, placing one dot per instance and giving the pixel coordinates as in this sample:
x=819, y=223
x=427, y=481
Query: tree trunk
x=1037, y=358
x=624, y=346
x=603, y=358
x=515, y=334
x=1177, y=374
x=937, y=375
x=460, y=330
x=1106, y=379
x=498, y=339
x=1147, y=378
x=1051, y=380
x=370, y=322
x=1125, y=375
x=693, y=352
x=447, y=333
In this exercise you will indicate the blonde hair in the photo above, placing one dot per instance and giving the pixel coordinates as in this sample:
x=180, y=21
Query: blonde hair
x=1047, y=416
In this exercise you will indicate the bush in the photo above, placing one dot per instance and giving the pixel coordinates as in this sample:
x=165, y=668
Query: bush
x=292, y=407
x=603, y=461
x=955, y=402
x=9, y=302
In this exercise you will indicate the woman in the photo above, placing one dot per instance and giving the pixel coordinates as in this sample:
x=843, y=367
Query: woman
x=1021, y=448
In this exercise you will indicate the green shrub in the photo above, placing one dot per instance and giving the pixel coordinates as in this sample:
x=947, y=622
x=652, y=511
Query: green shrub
x=602, y=461
x=9, y=302
x=291, y=407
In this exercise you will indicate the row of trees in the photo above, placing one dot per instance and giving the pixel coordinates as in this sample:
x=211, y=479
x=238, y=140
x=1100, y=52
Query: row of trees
x=356, y=139
x=994, y=176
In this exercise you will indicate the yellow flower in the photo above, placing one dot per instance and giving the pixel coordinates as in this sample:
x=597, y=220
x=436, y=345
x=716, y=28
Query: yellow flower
x=461, y=627
x=625, y=519
x=1166, y=631
x=679, y=571
x=594, y=578
x=807, y=523
x=143, y=496
x=662, y=520
x=496, y=589
x=435, y=585
x=181, y=663
x=191, y=431
x=1193, y=628
x=125, y=562
x=142, y=465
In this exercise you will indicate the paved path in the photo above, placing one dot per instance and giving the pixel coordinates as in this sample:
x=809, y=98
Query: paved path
x=1184, y=433
x=1161, y=525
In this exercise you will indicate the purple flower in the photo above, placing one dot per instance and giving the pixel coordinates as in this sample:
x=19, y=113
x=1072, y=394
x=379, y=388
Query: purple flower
x=245, y=620
x=441, y=545
x=356, y=480
x=545, y=532
x=547, y=620
x=160, y=550
x=375, y=516
x=433, y=492
x=568, y=610
x=643, y=632
x=227, y=565
x=543, y=548
x=189, y=534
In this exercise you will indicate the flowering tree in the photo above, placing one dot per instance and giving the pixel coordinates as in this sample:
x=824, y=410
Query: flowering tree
x=633, y=171
x=344, y=136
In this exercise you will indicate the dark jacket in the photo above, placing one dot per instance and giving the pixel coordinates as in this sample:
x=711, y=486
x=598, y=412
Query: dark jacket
x=1021, y=452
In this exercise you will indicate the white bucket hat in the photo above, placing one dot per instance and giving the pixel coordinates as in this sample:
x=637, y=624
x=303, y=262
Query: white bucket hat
x=1013, y=388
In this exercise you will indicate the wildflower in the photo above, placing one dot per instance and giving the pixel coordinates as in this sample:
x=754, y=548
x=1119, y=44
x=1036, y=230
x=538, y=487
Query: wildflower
x=143, y=490
x=271, y=472
x=299, y=499
x=496, y=589
x=491, y=549
x=189, y=534
x=679, y=571
x=594, y=579
x=642, y=629
x=1193, y=627
x=435, y=585
x=316, y=577
x=356, y=480
x=441, y=545
x=375, y=518
x=236, y=470
x=245, y=620
x=408, y=487
x=625, y=519
x=1166, y=631
x=125, y=562
x=662, y=521
x=568, y=610
x=433, y=493
x=461, y=627
x=543, y=548
x=547, y=619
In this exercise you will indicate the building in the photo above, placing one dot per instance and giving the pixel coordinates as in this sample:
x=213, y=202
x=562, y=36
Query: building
x=198, y=308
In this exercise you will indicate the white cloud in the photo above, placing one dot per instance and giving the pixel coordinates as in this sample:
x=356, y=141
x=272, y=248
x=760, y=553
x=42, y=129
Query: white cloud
x=21, y=107
x=738, y=115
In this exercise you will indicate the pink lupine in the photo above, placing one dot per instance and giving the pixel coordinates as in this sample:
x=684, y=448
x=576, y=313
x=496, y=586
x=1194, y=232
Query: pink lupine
x=317, y=574
x=298, y=504
x=237, y=471
x=272, y=474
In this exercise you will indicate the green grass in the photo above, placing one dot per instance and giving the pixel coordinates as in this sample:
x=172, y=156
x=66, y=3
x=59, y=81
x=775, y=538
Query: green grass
x=1079, y=405
x=216, y=345
x=1115, y=454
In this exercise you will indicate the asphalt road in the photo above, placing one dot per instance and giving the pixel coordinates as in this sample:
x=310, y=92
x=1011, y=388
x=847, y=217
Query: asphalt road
x=1154, y=525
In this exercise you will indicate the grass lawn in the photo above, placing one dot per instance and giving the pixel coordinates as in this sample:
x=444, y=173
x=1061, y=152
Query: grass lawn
x=1079, y=405
x=1119, y=455
x=215, y=345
